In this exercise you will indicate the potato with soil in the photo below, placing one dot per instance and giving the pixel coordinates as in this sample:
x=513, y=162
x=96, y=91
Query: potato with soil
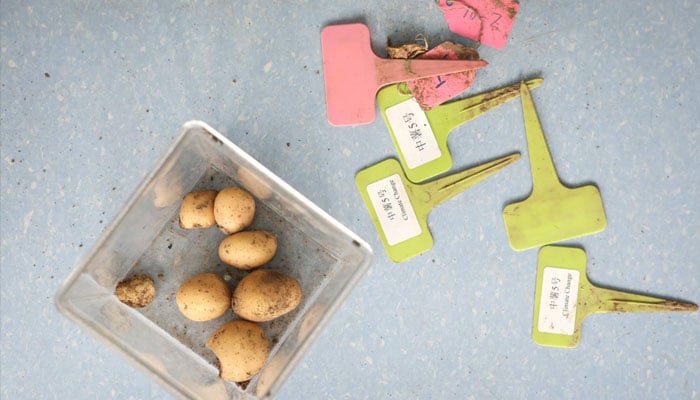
x=264, y=295
x=197, y=209
x=137, y=291
x=248, y=249
x=242, y=349
x=203, y=297
x=234, y=209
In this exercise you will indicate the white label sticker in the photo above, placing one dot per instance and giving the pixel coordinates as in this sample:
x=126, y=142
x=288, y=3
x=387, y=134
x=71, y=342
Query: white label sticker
x=413, y=133
x=393, y=209
x=558, y=301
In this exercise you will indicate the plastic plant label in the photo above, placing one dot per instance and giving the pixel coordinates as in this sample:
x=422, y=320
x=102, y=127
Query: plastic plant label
x=353, y=73
x=393, y=209
x=558, y=301
x=564, y=297
x=485, y=21
x=553, y=212
x=422, y=149
x=399, y=208
x=431, y=92
x=413, y=133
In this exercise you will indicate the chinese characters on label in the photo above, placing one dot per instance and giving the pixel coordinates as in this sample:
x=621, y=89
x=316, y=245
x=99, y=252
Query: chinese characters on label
x=414, y=130
x=558, y=301
x=413, y=134
x=393, y=209
x=387, y=207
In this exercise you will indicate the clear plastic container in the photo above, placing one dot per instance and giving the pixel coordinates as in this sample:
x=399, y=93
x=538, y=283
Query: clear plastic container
x=145, y=237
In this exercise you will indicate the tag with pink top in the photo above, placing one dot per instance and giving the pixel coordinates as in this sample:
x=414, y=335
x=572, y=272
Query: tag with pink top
x=485, y=21
x=431, y=92
x=353, y=73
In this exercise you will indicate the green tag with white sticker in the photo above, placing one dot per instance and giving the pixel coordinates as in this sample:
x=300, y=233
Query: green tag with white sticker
x=564, y=297
x=399, y=208
x=420, y=137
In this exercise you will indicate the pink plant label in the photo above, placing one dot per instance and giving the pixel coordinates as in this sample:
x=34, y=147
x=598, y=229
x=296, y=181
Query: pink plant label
x=486, y=21
x=431, y=92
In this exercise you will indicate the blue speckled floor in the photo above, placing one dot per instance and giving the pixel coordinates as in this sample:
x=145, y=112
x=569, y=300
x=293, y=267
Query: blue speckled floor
x=92, y=93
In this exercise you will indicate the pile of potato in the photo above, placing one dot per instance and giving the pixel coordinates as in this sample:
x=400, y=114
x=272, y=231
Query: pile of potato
x=262, y=295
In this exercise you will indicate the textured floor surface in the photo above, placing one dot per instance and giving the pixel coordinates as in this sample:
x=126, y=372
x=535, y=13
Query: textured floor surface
x=92, y=93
